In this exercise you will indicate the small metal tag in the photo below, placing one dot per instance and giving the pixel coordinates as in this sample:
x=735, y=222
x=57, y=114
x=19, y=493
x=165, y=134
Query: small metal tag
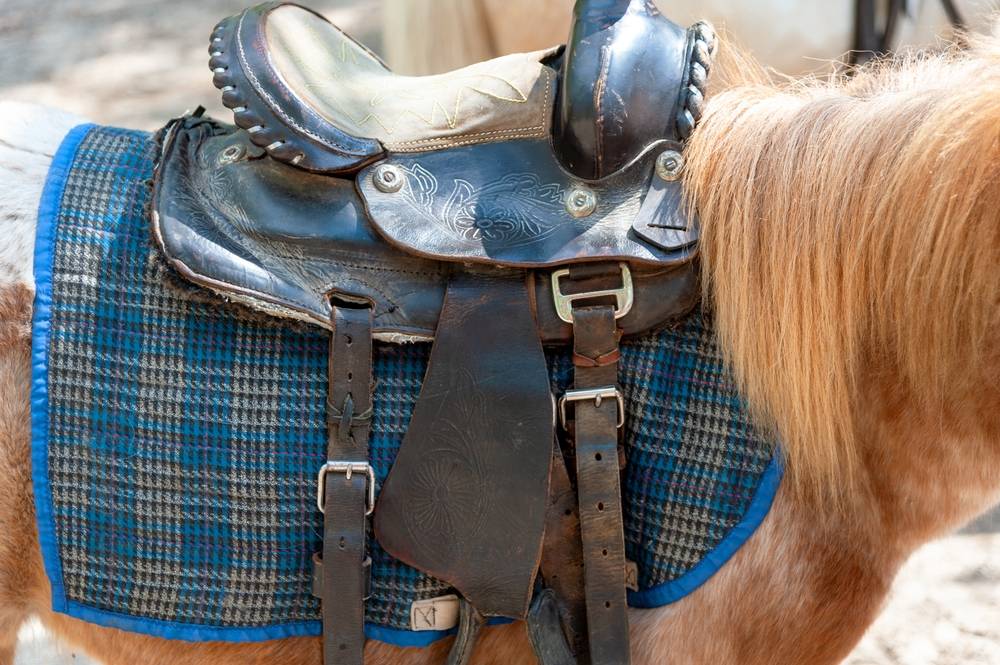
x=439, y=613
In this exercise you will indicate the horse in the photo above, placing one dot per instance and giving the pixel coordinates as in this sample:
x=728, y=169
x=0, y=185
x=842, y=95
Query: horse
x=849, y=256
x=809, y=37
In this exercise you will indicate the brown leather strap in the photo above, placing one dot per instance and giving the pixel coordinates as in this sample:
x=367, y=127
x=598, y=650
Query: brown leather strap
x=562, y=556
x=545, y=631
x=346, y=486
x=470, y=624
x=317, y=577
x=595, y=338
x=467, y=495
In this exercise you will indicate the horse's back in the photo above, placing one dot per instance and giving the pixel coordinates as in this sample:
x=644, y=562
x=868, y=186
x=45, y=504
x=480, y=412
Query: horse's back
x=29, y=137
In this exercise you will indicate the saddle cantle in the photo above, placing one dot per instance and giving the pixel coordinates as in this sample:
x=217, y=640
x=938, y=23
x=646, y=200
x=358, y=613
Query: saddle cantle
x=533, y=199
x=313, y=97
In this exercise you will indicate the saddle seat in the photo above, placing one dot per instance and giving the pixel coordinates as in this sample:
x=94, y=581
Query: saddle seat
x=312, y=96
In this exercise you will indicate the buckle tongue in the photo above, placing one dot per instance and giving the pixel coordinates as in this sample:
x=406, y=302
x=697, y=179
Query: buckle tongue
x=624, y=295
x=597, y=395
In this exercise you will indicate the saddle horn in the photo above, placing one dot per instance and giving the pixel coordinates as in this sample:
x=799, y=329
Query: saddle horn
x=626, y=83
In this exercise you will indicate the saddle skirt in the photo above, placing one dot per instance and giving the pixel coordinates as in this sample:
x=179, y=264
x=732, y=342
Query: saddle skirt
x=176, y=437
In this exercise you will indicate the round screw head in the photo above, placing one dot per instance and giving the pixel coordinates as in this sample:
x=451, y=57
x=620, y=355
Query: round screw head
x=231, y=154
x=581, y=201
x=670, y=165
x=388, y=178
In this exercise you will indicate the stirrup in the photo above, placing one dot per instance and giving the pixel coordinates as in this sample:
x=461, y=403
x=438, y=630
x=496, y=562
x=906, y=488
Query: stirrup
x=470, y=623
x=545, y=631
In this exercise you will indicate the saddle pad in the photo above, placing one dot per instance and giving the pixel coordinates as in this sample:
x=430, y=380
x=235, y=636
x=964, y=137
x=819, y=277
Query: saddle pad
x=176, y=438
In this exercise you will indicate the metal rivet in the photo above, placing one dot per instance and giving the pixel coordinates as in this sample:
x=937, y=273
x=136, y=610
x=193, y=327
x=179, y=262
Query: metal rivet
x=388, y=178
x=581, y=201
x=670, y=165
x=231, y=154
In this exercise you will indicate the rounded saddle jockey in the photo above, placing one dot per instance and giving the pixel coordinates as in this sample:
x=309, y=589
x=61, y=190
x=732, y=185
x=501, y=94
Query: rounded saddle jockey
x=531, y=200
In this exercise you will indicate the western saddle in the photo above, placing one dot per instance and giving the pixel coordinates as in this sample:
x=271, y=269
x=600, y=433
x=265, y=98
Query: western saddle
x=531, y=200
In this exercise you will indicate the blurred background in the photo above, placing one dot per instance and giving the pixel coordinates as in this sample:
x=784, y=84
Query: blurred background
x=137, y=63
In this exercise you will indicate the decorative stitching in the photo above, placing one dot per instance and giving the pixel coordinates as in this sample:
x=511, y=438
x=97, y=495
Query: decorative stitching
x=449, y=140
x=416, y=145
x=277, y=109
x=482, y=137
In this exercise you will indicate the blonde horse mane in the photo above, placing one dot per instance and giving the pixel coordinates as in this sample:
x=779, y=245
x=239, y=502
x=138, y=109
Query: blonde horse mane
x=851, y=229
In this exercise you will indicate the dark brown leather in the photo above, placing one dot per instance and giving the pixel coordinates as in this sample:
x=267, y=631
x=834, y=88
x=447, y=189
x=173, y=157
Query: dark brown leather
x=663, y=220
x=467, y=495
x=545, y=631
x=599, y=487
x=622, y=70
x=562, y=556
x=512, y=209
x=345, y=525
x=318, y=577
x=261, y=101
x=283, y=240
x=470, y=624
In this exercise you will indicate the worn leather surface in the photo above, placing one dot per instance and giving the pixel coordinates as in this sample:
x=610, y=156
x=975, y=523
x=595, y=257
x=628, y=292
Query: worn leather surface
x=562, y=561
x=545, y=632
x=345, y=524
x=470, y=625
x=505, y=204
x=324, y=102
x=599, y=486
x=283, y=240
x=291, y=131
x=623, y=71
x=467, y=496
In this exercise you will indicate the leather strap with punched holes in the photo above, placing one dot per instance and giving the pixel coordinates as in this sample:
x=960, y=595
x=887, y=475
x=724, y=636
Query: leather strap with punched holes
x=596, y=407
x=346, y=487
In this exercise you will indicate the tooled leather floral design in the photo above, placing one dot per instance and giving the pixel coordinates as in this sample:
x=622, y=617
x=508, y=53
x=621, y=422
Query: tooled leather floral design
x=516, y=209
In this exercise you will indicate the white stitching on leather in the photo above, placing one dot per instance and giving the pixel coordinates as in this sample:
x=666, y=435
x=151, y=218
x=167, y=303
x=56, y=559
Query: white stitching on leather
x=536, y=131
x=274, y=105
x=448, y=142
x=406, y=146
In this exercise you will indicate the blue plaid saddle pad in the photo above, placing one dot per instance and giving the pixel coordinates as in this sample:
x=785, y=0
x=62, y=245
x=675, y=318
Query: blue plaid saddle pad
x=176, y=438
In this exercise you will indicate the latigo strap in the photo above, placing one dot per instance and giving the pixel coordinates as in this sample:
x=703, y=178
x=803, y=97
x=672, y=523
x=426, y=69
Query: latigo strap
x=598, y=414
x=346, y=488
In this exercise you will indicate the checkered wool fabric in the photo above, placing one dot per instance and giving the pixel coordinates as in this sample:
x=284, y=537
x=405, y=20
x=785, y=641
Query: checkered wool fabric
x=184, y=434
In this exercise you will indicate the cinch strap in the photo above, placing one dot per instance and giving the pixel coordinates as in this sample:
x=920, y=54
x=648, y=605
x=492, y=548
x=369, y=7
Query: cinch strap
x=346, y=488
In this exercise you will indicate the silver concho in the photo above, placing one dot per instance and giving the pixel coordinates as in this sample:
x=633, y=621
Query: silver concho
x=581, y=201
x=670, y=165
x=388, y=178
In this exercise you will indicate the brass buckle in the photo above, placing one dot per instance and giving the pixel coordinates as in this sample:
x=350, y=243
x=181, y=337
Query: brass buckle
x=624, y=295
x=348, y=469
x=597, y=395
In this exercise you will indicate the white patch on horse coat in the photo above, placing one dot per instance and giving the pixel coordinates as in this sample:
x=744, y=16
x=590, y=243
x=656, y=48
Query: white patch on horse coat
x=29, y=137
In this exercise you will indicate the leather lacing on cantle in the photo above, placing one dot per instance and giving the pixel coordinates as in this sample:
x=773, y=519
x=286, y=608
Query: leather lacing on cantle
x=702, y=45
x=224, y=62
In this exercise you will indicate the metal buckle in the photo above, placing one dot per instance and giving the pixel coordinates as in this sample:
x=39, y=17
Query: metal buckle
x=598, y=395
x=624, y=295
x=348, y=469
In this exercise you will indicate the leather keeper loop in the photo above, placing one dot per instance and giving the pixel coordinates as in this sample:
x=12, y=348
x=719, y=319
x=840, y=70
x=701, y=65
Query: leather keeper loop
x=603, y=360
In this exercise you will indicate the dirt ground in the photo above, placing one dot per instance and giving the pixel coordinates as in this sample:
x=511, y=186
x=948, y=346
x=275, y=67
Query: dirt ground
x=137, y=63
